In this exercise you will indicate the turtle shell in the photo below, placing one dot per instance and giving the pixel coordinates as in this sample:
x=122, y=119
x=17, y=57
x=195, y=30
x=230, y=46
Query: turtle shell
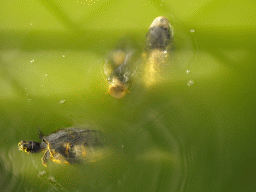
x=71, y=145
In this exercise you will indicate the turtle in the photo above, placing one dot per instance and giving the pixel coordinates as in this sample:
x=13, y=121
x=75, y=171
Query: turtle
x=117, y=66
x=117, y=69
x=158, y=41
x=68, y=145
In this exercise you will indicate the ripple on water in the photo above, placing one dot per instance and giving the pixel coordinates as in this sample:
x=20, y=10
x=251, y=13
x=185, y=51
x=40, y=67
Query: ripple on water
x=21, y=172
x=160, y=149
x=8, y=181
x=25, y=171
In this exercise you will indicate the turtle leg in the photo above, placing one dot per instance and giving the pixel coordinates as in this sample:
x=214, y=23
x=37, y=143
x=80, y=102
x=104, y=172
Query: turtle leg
x=45, y=158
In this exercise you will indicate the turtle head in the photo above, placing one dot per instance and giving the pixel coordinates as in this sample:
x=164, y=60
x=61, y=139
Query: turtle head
x=159, y=34
x=117, y=88
x=29, y=146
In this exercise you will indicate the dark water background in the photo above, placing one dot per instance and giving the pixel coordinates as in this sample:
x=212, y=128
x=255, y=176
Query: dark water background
x=193, y=131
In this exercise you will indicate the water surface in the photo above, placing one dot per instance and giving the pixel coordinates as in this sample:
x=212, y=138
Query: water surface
x=192, y=131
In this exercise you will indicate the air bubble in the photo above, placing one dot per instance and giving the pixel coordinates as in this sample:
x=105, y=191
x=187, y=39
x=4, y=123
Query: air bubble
x=63, y=55
x=192, y=30
x=126, y=77
x=52, y=179
x=165, y=53
x=191, y=82
x=188, y=71
x=45, y=75
x=41, y=174
x=62, y=101
x=32, y=61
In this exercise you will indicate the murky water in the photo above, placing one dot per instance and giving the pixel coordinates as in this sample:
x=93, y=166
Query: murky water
x=193, y=130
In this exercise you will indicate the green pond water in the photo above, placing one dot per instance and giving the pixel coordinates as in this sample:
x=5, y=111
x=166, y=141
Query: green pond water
x=193, y=131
